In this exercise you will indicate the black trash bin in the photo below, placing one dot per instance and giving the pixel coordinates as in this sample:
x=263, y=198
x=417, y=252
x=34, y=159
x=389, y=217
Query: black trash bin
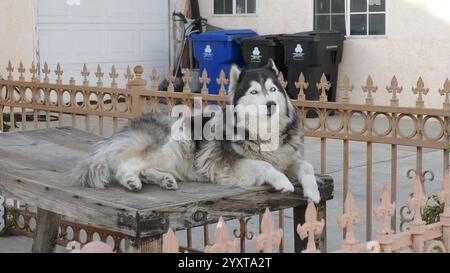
x=257, y=51
x=313, y=53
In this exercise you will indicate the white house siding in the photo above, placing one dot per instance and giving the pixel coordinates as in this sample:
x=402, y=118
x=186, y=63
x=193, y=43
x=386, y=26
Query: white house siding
x=417, y=43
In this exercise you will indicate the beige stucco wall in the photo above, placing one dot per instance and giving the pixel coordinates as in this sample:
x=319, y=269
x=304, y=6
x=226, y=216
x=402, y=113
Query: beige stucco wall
x=417, y=43
x=17, y=39
x=273, y=16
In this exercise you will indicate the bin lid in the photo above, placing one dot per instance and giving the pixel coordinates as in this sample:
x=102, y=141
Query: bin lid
x=266, y=40
x=223, y=35
x=316, y=36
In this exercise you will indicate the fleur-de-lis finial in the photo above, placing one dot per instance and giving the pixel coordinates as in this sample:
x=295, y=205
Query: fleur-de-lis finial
x=187, y=80
x=269, y=236
x=170, y=243
x=99, y=74
x=21, y=70
x=446, y=92
x=281, y=79
x=395, y=89
x=421, y=91
x=369, y=88
x=222, y=244
x=154, y=77
x=324, y=86
x=46, y=72
x=113, y=75
x=170, y=80
x=385, y=211
x=58, y=73
x=129, y=74
x=222, y=81
x=85, y=73
x=311, y=228
x=33, y=71
x=302, y=85
x=417, y=202
x=444, y=195
x=10, y=70
x=204, y=80
x=351, y=217
x=346, y=88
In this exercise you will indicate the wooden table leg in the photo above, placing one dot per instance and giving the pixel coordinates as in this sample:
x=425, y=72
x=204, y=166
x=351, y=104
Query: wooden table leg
x=299, y=218
x=147, y=245
x=322, y=214
x=46, y=232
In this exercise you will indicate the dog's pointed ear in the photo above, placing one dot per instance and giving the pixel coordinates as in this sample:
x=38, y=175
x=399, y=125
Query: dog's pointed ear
x=272, y=66
x=235, y=73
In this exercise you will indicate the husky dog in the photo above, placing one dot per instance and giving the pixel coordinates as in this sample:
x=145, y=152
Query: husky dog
x=146, y=151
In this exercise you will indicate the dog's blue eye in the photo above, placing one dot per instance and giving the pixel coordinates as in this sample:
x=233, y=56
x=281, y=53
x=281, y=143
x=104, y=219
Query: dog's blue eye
x=273, y=89
x=254, y=92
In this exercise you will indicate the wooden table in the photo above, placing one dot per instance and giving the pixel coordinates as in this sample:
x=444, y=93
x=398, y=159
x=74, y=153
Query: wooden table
x=33, y=169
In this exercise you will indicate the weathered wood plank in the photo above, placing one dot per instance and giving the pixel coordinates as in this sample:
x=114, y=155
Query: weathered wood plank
x=92, y=211
x=46, y=232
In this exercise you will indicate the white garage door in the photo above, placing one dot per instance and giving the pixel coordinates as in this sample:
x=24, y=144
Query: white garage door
x=105, y=32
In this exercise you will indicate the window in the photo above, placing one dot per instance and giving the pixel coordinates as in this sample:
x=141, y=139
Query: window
x=352, y=17
x=330, y=15
x=234, y=7
x=367, y=17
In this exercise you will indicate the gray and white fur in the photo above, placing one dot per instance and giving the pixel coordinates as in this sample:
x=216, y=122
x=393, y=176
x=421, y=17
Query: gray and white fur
x=146, y=152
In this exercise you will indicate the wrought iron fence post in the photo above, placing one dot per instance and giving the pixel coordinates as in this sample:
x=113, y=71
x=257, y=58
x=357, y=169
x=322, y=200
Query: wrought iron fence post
x=137, y=85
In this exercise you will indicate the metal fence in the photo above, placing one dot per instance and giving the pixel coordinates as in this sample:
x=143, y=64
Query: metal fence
x=421, y=238
x=101, y=109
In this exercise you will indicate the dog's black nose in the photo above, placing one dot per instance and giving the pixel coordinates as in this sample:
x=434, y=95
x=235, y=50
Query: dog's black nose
x=270, y=104
x=271, y=107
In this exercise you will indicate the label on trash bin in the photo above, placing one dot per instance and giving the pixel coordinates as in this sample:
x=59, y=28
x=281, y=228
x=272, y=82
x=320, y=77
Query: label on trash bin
x=256, y=56
x=298, y=55
x=208, y=54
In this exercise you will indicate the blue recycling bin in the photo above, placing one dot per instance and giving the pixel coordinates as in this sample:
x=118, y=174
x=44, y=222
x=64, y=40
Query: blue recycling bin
x=217, y=51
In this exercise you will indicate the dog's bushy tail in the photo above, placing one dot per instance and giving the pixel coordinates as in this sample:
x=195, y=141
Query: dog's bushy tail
x=93, y=171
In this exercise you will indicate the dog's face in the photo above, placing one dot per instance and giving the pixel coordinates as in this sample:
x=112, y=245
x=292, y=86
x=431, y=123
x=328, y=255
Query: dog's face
x=260, y=89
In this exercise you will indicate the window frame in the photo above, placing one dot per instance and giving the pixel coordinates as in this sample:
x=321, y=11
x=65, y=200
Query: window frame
x=235, y=14
x=330, y=14
x=348, y=14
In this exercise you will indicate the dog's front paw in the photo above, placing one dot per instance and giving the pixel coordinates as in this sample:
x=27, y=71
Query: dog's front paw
x=283, y=185
x=310, y=188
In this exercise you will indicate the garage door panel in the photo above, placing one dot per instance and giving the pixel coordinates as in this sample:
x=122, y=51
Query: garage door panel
x=89, y=8
x=89, y=42
x=117, y=44
x=116, y=8
x=51, y=8
x=153, y=42
x=154, y=8
x=50, y=48
x=103, y=32
x=103, y=11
